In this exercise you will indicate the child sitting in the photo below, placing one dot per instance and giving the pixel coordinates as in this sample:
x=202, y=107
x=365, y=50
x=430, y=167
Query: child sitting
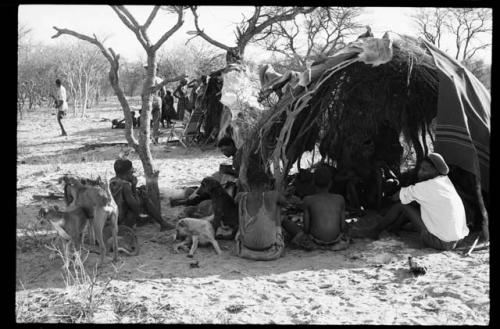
x=259, y=234
x=324, y=217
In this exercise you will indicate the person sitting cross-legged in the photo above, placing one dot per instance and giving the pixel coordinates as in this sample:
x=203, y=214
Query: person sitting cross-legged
x=132, y=200
x=259, y=235
x=440, y=217
x=324, y=217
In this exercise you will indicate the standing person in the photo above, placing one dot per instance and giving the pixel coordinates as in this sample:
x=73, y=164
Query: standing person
x=200, y=92
x=194, y=85
x=61, y=105
x=167, y=110
x=440, y=218
x=182, y=101
x=324, y=216
x=157, y=105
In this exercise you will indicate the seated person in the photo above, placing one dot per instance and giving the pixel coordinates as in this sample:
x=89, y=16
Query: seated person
x=118, y=124
x=227, y=174
x=324, y=216
x=132, y=201
x=228, y=148
x=441, y=217
x=365, y=179
x=259, y=235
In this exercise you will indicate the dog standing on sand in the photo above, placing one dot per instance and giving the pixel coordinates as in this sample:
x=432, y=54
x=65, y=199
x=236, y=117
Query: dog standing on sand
x=70, y=226
x=98, y=203
x=195, y=231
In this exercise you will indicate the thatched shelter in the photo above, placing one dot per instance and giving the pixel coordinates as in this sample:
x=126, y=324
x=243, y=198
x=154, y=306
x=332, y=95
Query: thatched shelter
x=387, y=92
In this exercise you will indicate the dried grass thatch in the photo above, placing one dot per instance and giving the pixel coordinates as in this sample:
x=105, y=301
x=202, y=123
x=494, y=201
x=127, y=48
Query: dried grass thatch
x=346, y=107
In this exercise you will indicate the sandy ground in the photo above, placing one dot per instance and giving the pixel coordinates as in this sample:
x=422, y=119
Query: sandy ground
x=368, y=283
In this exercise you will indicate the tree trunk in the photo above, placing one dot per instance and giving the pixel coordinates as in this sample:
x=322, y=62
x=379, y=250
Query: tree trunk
x=142, y=147
x=145, y=136
x=85, y=97
x=97, y=96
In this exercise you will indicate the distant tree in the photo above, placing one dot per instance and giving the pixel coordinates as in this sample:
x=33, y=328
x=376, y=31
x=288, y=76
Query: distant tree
x=321, y=33
x=462, y=25
x=133, y=76
x=140, y=30
x=253, y=29
x=430, y=23
x=193, y=60
x=466, y=25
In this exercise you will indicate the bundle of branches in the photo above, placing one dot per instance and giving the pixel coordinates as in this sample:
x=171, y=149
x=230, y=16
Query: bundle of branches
x=355, y=104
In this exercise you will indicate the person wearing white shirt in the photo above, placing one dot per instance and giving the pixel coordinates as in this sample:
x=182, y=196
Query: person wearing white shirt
x=441, y=218
x=61, y=104
x=156, y=110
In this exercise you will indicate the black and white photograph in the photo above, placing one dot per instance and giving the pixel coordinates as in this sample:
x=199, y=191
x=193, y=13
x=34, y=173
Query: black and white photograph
x=245, y=164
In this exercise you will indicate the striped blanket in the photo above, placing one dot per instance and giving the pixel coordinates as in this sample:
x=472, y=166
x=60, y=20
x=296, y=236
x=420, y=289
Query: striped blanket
x=463, y=117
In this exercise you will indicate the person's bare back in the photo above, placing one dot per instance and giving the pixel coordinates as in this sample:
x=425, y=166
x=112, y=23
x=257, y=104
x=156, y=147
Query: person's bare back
x=324, y=215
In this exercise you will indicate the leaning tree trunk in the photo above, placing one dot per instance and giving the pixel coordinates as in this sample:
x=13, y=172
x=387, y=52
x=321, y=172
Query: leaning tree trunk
x=142, y=147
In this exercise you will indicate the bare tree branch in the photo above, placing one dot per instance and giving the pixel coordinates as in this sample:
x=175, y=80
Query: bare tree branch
x=202, y=34
x=471, y=53
x=151, y=17
x=85, y=38
x=129, y=16
x=252, y=29
x=323, y=31
x=261, y=22
x=113, y=59
x=167, y=81
x=124, y=14
x=168, y=34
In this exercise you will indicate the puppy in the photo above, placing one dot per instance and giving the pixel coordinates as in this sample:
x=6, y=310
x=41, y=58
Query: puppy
x=224, y=207
x=194, y=231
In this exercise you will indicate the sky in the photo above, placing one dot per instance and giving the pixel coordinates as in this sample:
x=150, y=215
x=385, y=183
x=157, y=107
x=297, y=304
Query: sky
x=217, y=21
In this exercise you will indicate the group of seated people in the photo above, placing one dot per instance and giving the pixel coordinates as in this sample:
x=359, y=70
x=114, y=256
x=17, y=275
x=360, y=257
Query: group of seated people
x=431, y=205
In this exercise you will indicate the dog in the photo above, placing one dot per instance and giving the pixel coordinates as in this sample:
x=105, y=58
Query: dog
x=68, y=198
x=70, y=227
x=99, y=204
x=127, y=240
x=195, y=231
x=68, y=224
x=224, y=208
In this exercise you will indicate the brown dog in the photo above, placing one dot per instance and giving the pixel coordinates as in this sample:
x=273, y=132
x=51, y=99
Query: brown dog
x=194, y=231
x=98, y=202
